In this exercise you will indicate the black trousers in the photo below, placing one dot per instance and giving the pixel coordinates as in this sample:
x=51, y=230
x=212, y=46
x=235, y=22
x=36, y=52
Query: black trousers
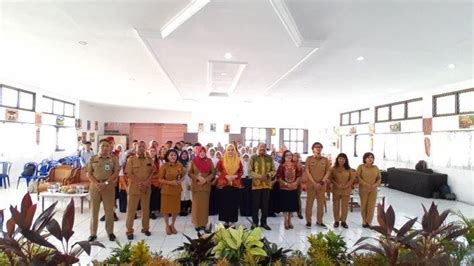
x=155, y=199
x=122, y=196
x=260, y=201
x=246, y=198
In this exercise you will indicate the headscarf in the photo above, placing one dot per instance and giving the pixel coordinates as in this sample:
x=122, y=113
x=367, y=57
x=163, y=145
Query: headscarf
x=184, y=162
x=209, y=153
x=202, y=164
x=231, y=164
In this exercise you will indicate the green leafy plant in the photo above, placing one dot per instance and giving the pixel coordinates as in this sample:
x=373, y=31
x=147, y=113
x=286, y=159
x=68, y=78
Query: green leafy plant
x=120, y=254
x=140, y=253
x=26, y=242
x=233, y=244
x=197, y=250
x=318, y=251
x=297, y=258
x=328, y=245
x=275, y=254
x=157, y=259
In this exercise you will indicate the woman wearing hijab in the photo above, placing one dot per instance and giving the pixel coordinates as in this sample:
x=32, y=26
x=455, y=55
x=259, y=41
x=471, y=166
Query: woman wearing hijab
x=186, y=184
x=170, y=177
x=246, y=192
x=228, y=183
x=155, y=197
x=202, y=174
x=213, y=210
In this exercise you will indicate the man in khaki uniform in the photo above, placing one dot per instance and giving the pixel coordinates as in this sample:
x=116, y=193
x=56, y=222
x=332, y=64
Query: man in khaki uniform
x=318, y=170
x=102, y=171
x=140, y=169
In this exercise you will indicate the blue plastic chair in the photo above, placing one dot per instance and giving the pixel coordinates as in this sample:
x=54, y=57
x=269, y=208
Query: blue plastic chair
x=43, y=170
x=28, y=178
x=5, y=173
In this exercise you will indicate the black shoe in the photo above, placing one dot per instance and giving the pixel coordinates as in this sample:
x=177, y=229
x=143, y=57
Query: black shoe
x=308, y=225
x=343, y=224
x=102, y=219
x=253, y=226
x=366, y=225
x=153, y=216
x=336, y=224
x=226, y=225
x=115, y=217
x=321, y=225
x=112, y=237
x=92, y=238
x=130, y=236
x=300, y=216
x=146, y=232
x=266, y=227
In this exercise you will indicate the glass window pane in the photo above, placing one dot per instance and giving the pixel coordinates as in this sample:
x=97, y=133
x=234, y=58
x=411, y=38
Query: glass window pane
x=382, y=113
x=466, y=102
x=300, y=134
x=9, y=97
x=47, y=105
x=345, y=119
x=255, y=133
x=286, y=134
x=299, y=147
x=293, y=135
x=355, y=118
x=58, y=108
x=68, y=109
x=445, y=105
x=248, y=143
x=248, y=133
x=398, y=111
x=263, y=135
x=364, y=116
x=287, y=144
x=26, y=100
x=415, y=109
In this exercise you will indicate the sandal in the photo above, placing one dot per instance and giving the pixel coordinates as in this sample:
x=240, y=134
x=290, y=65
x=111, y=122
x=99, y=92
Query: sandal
x=168, y=230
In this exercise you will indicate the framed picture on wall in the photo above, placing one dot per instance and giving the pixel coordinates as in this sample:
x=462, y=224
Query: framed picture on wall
x=96, y=125
x=38, y=119
x=11, y=115
x=84, y=137
x=60, y=120
x=201, y=127
x=88, y=125
x=78, y=123
x=92, y=137
x=213, y=127
x=226, y=128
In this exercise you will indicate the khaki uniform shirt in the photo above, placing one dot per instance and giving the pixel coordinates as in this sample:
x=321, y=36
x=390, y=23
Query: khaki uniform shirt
x=102, y=167
x=170, y=172
x=141, y=168
x=370, y=175
x=317, y=167
x=342, y=177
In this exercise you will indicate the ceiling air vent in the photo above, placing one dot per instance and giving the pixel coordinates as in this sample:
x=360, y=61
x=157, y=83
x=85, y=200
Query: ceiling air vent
x=218, y=94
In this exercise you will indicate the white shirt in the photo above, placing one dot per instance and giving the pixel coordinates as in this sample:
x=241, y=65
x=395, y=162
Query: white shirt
x=186, y=192
x=246, y=168
x=87, y=155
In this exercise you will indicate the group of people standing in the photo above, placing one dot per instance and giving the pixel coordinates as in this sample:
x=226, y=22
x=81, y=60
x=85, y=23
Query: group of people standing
x=156, y=180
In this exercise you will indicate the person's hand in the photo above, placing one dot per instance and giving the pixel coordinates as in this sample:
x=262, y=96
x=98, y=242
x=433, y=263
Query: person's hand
x=100, y=186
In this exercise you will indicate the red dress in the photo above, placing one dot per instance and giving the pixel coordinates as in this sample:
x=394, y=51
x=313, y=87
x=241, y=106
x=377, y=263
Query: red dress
x=223, y=182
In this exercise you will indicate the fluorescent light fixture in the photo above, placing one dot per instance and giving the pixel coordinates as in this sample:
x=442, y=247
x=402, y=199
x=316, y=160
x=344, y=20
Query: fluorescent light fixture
x=223, y=74
x=228, y=56
x=186, y=13
x=360, y=58
x=451, y=66
x=82, y=42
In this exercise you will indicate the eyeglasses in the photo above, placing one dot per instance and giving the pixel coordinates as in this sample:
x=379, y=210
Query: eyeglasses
x=318, y=147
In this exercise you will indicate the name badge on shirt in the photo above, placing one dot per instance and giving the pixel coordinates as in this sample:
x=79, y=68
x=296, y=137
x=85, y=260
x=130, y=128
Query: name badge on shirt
x=107, y=167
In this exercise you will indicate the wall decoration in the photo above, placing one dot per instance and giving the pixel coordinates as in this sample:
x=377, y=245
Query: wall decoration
x=92, y=136
x=79, y=138
x=78, y=123
x=11, y=115
x=427, y=125
x=466, y=121
x=60, y=120
x=273, y=132
x=371, y=128
x=396, y=127
x=96, y=125
x=38, y=136
x=200, y=127
x=226, y=128
x=427, y=146
x=353, y=130
x=88, y=125
x=213, y=127
x=38, y=119
x=84, y=136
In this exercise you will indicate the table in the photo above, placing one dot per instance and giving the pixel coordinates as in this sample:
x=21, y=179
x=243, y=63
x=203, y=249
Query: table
x=59, y=195
x=415, y=182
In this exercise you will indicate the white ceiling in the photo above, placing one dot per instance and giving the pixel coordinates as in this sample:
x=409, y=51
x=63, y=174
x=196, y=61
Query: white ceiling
x=406, y=45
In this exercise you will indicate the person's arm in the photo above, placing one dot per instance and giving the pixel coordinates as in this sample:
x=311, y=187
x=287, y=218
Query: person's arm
x=152, y=173
x=90, y=175
x=359, y=176
x=378, y=181
x=272, y=172
x=129, y=168
x=308, y=174
x=193, y=172
x=115, y=172
x=212, y=174
x=328, y=172
x=161, y=176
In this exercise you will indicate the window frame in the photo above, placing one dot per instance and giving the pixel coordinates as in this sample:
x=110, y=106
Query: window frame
x=304, y=141
x=64, y=107
x=456, y=102
x=389, y=105
x=350, y=117
x=19, y=91
x=267, y=135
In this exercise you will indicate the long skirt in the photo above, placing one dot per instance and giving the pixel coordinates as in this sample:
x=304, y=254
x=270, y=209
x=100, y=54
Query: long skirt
x=200, y=208
x=213, y=199
x=229, y=204
x=155, y=199
x=170, y=204
x=246, y=198
x=274, y=205
x=288, y=200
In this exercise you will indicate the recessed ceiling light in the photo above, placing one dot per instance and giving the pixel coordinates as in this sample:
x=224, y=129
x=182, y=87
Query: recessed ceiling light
x=360, y=58
x=82, y=42
x=148, y=93
x=223, y=74
x=451, y=66
x=132, y=79
x=228, y=56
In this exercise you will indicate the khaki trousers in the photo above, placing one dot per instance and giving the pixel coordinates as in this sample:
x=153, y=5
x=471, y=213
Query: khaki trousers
x=367, y=205
x=340, y=207
x=320, y=196
x=107, y=197
x=133, y=200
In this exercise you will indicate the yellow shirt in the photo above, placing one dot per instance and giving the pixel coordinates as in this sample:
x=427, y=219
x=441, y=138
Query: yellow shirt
x=141, y=168
x=264, y=166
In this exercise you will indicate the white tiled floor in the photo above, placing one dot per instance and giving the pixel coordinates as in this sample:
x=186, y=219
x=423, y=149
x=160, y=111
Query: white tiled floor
x=405, y=206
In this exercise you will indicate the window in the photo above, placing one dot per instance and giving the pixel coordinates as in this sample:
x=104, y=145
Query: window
x=454, y=103
x=356, y=117
x=296, y=140
x=17, y=98
x=58, y=107
x=410, y=109
x=253, y=136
